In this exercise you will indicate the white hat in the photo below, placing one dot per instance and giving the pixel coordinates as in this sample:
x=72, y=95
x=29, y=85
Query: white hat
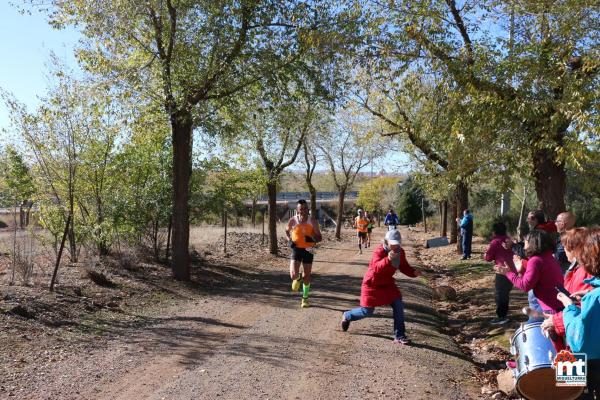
x=393, y=237
x=359, y=211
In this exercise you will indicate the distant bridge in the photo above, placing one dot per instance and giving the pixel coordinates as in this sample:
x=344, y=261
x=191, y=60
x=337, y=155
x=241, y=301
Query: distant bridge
x=291, y=198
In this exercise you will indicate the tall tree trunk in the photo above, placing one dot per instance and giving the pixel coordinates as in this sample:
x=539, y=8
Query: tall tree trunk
x=102, y=244
x=181, y=125
x=28, y=212
x=550, y=182
x=155, y=229
x=340, y=216
x=462, y=203
x=444, y=217
x=522, y=214
x=313, y=201
x=453, y=225
x=59, y=254
x=21, y=216
x=272, y=195
x=440, y=214
x=462, y=197
x=71, y=236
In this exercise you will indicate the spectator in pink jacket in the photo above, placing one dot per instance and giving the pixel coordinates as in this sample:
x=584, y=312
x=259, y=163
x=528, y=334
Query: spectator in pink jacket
x=543, y=273
x=497, y=253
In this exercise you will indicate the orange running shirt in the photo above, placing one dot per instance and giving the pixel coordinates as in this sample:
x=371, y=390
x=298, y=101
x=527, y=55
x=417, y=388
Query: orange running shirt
x=299, y=233
x=361, y=224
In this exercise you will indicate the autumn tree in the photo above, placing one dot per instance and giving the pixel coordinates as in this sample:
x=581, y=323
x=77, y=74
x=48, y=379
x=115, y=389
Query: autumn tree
x=535, y=63
x=277, y=134
x=378, y=194
x=19, y=184
x=349, y=145
x=189, y=55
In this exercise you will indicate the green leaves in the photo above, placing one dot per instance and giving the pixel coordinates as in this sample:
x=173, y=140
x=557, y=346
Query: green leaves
x=18, y=181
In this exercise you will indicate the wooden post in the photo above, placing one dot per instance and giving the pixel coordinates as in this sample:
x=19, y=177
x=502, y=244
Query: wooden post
x=60, y=251
x=225, y=237
x=14, y=258
x=262, y=238
x=423, y=213
x=169, y=238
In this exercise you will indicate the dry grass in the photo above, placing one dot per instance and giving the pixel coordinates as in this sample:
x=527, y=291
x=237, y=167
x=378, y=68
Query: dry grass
x=25, y=259
x=204, y=236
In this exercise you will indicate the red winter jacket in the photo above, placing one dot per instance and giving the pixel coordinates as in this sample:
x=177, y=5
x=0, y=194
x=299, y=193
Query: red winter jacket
x=573, y=283
x=379, y=286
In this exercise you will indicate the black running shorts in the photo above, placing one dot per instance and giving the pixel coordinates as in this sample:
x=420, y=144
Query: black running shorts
x=362, y=235
x=302, y=255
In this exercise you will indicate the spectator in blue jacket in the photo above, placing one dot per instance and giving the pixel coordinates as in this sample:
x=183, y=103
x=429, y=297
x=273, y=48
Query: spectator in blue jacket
x=466, y=232
x=582, y=324
x=391, y=220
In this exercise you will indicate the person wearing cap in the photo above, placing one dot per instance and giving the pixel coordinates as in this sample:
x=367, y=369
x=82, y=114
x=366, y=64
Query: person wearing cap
x=361, y=224
x=379, y=286
x=391, y=220
x=303, y=234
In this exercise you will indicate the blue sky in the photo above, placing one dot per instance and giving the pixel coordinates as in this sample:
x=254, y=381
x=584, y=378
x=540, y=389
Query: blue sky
x=28, y=42
x=26, y=45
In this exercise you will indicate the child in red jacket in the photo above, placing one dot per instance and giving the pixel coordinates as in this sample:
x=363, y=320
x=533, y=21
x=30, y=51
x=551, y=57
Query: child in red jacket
x=379, y=287
x=499, y=254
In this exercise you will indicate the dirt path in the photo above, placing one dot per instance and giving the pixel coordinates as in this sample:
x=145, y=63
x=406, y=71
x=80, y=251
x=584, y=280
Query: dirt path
x=255, y=341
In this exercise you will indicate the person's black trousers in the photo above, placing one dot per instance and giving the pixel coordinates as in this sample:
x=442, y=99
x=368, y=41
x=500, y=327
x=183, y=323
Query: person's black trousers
x=502, y=288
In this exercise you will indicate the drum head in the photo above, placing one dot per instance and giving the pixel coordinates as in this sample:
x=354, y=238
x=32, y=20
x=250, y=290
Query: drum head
x=540, y=384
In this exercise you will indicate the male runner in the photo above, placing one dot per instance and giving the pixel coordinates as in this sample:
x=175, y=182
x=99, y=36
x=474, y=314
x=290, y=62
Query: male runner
x=303, y=234
x=361, y=224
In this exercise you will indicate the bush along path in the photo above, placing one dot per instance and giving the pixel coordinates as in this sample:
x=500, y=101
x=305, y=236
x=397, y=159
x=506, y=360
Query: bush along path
x=247, y=337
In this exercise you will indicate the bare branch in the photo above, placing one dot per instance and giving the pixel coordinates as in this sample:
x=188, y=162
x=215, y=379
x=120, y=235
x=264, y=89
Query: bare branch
x=460, y=24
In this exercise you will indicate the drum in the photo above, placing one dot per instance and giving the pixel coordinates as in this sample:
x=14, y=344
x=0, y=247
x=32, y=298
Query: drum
x=534, y=355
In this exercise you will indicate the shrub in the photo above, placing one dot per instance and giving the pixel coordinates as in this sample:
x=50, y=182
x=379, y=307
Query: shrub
x=484, y=221
x=408, y=206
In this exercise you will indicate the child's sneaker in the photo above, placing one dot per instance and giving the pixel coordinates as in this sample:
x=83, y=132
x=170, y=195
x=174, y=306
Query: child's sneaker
x=402, y=340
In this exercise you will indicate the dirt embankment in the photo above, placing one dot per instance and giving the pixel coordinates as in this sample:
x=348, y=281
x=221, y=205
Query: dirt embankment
x=469, y=311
